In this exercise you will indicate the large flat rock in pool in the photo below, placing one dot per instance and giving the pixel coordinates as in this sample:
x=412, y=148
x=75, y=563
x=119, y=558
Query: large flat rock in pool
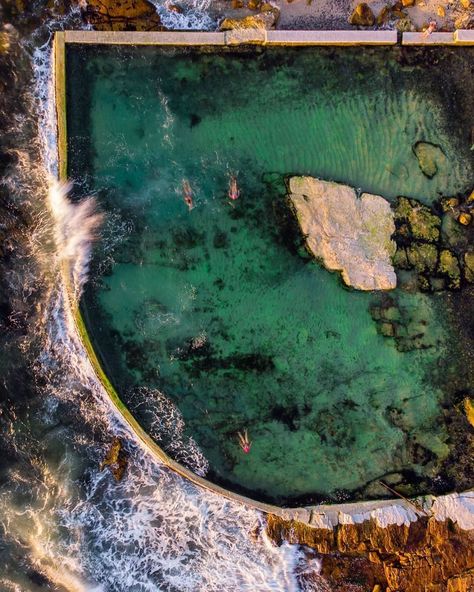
x=347, y=233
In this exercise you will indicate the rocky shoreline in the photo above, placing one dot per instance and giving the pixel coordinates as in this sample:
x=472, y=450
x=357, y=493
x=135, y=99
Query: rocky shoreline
x=434, y=253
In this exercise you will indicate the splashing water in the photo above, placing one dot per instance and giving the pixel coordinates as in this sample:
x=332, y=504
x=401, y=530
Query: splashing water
x=76, y=226
x=63, y=523
x=194, y=16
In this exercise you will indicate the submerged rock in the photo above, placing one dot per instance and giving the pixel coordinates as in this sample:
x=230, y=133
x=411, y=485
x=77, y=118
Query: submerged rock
x=122, y=15
x=349, y=234
x=362, y=16
x=430, y=158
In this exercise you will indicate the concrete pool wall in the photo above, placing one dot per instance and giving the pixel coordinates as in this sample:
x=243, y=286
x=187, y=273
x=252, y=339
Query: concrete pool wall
x=458, y=507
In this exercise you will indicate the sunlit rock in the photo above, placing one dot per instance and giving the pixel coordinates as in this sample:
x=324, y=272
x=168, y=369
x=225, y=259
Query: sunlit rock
x=347, y=233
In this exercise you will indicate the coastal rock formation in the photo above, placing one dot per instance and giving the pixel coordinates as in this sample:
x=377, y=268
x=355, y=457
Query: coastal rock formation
x=264, y=20
x=122, y=15
x=362, y=16
x=437, y=248
x=347, y=233
x=115, y=459
x=427, y=554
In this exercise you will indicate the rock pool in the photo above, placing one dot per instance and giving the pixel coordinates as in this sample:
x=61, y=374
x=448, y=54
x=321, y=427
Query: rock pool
x=214, y=320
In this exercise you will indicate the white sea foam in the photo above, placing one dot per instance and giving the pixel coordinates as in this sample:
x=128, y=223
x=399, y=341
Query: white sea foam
x=195, y=15
x=76, y=226
x=153, y=531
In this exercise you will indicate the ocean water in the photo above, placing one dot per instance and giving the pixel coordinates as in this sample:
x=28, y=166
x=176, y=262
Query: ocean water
x=64, y=525
x=214, y=320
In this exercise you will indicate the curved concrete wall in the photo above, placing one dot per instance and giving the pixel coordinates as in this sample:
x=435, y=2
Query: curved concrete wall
x=458, y=507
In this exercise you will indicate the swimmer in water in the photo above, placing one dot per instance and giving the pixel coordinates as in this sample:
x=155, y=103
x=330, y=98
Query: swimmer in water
x=233, y=192
x=188, y=194
x=244, y=441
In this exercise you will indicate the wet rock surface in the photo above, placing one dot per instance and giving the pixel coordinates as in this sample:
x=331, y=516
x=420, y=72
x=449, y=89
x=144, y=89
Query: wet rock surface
x=434, y=243
x=115, y=459
x=122, y=15
x=266, y=19
x=348, y=234
x=425, y=555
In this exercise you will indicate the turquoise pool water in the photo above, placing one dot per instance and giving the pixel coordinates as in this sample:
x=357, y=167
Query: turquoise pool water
x=219, y=311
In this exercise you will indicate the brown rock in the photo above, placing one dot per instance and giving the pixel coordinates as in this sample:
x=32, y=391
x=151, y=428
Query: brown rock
x=469, y=266
x=466, y=4
x=254, y=4
x=426, y=555
x=263, y=20
x=236, y=4
x=464, y=218
x=441, y=12
x=362, y=16
x=383, y=16
x=404, y=25
x=175, y=8
x=116, y=459
x=406, y=3
x=122, y=15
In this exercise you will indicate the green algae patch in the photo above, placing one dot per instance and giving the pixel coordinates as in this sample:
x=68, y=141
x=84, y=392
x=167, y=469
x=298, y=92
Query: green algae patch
x=213, y=320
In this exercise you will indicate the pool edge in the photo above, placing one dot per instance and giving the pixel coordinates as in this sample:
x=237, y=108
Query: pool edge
x=318, y=516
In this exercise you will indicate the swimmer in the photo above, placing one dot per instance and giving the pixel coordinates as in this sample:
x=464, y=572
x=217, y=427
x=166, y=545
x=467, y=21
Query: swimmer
x=244, y=441
x=431, y=29
x=233, y=192
x=188, y=194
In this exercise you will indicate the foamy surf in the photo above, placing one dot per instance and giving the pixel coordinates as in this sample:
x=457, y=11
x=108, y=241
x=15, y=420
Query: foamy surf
x=73, y=527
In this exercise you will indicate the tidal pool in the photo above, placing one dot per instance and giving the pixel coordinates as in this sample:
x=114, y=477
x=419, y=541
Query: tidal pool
x=218, y=311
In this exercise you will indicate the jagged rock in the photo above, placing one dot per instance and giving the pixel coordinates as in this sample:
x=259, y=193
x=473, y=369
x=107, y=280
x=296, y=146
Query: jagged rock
x=469, y=410
x=348, y=234
x=464, y=218
x=362, y=16
x=465, y=21
x=404, y=25
x=383, y=16
x=421, y=223
x=423, y=257
x=116, y=459
x=4, y=42
x=448, y=264
x=425, y=555
x=430, y=158
x=263, y=20
x=122, y=15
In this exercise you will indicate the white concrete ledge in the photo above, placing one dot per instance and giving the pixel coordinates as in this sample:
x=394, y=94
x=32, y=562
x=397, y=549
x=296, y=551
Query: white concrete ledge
x=464, y=37
x=331, y=37
x=252, y=36
x=433, y=39
x=233, y=37
x=144, y=38
x=459, y=37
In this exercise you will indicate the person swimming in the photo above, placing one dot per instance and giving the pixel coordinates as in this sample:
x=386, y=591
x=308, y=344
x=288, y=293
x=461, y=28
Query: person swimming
x=233, y=192
x=188, y=194
x=244, y=441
